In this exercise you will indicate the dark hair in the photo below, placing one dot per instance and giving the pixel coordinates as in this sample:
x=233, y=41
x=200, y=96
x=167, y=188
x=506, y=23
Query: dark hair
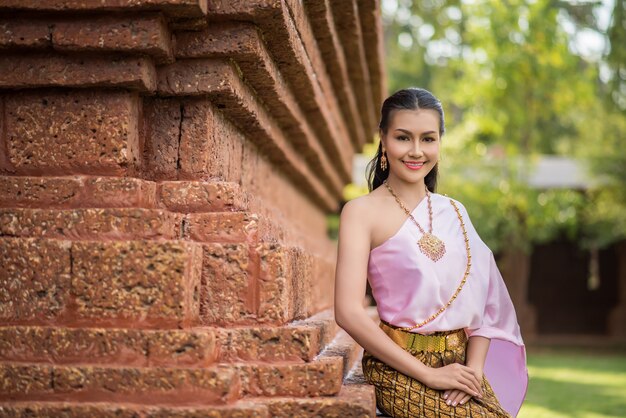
x=411, y=98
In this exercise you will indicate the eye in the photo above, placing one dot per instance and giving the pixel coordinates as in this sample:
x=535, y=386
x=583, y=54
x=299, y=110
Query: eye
x=429, y=139
x=402, y=137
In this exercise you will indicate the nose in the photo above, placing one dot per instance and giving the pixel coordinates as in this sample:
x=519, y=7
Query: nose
x=416, y=149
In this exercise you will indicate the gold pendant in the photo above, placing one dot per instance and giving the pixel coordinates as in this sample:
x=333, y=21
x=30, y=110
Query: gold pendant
x=431, y=246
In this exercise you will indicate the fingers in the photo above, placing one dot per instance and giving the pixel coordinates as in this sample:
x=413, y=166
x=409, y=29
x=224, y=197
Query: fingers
x=475, y=383
x=453, y=397
x=456, y=397
x=464, y=399
x=470, y=386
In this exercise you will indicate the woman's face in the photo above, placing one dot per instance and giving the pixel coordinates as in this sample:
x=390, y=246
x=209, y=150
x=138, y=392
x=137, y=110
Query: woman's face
x=412, y=143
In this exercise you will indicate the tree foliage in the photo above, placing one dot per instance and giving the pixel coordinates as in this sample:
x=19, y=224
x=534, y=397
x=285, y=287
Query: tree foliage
x=515, y=84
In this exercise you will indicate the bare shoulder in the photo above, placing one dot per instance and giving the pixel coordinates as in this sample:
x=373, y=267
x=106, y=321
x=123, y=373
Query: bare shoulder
x=362, y=208
x=357, y=210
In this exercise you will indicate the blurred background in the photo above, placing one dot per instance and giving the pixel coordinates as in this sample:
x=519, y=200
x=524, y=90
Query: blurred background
x=535, y=100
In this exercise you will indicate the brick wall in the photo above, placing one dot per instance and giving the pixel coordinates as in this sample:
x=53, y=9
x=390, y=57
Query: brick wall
x=166, y=168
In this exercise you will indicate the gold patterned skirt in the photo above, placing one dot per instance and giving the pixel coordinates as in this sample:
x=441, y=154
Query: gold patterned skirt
x=400, y=396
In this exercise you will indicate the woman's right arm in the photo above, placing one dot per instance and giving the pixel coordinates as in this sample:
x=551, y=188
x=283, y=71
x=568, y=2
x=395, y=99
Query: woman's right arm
x=350, y=286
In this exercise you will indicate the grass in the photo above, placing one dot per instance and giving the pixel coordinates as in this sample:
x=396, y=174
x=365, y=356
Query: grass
x=569, y=383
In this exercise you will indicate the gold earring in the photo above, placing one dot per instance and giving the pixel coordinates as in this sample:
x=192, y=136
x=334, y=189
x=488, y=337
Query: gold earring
x=383, y=161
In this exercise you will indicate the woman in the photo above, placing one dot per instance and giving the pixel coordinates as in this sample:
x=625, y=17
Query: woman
x=448, y=343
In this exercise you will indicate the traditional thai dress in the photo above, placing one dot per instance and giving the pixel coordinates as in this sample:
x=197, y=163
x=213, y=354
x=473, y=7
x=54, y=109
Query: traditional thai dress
x=409, y=287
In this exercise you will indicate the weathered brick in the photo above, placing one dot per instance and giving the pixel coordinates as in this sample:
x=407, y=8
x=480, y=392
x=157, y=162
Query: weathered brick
x=343, y=345
x=72, y=132
x=39, y=191
x=303, y=68
x=128, y=347
x=370, y=15
x=228, y=289
x=162, y=120
x=242, y=42
x=144, y=34
x=34, y=278
x=219, y=80
x=321, y=377
x=143, y=280
x=199, y=147
x=240, y=409
x=275, y=283
x=215, y=384
x=119, y=192
x=22, y=33
x=24, y=379
x=200, y=196
x=75, y=191
x=181, y=139
x=353, y=401
x=223, y=227
x=175, y=8
x=332, y=52
x=271, y=344
x=351, y=34
x=84, y=224
x=18, y=71
x=190, y=348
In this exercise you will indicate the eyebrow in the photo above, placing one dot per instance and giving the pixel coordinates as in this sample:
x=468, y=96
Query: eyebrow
x=410, y=133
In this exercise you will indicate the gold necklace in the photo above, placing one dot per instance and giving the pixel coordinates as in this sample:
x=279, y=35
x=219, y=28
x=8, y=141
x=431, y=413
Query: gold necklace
x=429, y=244
x=458, y=289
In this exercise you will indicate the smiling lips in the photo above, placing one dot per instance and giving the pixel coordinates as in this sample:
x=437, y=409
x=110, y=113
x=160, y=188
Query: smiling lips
x=414, y=165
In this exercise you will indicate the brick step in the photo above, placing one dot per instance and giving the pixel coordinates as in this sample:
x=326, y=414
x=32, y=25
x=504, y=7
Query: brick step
x=156, y=283
x=122, y=224
x=216, y=384
x=297, y=342
x=103, y=346
x=352, y=401
x=242, y=42
x=86, y=383
x=295, y=49
x=344, y=346
x=218, y=79
x=91, y=283
x=146, y=35
x=240, y=409
x=50, y=69
x=81, y=191
x=300, y=341
x=175, y=8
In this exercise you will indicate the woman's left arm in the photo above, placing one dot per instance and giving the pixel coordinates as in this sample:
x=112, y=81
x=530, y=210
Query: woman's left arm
x=475, y=356
x=476, y=353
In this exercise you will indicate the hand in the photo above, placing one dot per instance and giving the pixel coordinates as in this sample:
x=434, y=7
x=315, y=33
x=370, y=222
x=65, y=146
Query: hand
x=456, y=397
x=455, y=376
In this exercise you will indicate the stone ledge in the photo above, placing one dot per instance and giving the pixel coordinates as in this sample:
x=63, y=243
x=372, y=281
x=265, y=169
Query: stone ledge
x=220, y=81
x=142, y=385
x=350, y=33
x=70, y=132
x=370, y=13
x=104, y=346
x=19, y=71
x=283, y=37
x=62, y=192
x=174, y=8
x=103, y=224
x=242, y=42
x=87, y=283
x=331, y=49
x=239, y=409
